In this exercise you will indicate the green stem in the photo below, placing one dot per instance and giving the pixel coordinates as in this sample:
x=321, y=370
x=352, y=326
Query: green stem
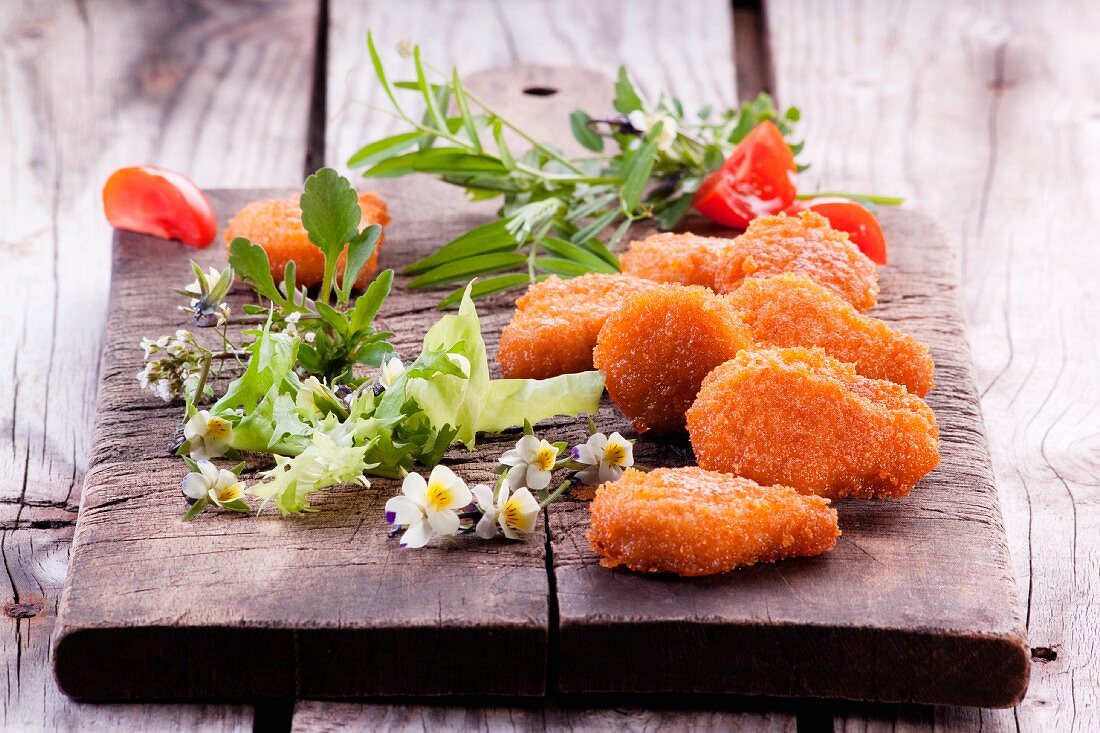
x=881, y=200
x=557, y=492
x=326, y=283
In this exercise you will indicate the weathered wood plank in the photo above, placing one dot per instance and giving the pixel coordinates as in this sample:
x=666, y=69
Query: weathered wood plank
x=85, y=88
x=644, y=35
x=979, y=114
x=314, y=716
x=327, y=605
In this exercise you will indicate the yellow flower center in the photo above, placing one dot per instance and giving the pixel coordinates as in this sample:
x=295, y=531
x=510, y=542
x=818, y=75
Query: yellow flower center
x=614, y=454
x=439, y=497
x=544, y=459
x=511, y=513
x=217, y=428
x=230, y=493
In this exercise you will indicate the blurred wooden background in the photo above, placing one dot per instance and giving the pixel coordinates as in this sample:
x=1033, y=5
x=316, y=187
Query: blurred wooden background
x=985, y=115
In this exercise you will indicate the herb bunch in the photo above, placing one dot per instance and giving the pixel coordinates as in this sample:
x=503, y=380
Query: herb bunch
x=319, y=390
x=559, y=215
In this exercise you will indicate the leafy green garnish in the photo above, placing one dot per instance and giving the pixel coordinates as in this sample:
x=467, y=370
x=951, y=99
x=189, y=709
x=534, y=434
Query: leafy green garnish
x=657, y=158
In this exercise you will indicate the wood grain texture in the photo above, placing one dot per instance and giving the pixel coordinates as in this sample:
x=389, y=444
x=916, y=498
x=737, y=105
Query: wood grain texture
x=86, y=88
x=978, y=113
x=314, y=716
x=484, y=34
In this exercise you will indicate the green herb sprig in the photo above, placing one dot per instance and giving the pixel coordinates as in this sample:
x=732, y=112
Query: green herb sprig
x=558, y=215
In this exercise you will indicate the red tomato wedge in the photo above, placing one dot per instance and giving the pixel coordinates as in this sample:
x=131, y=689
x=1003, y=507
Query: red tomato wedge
x=850, y=216
x=159, y=202
x=757, y=179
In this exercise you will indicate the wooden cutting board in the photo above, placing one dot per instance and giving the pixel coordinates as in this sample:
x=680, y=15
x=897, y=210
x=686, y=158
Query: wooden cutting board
x=916, y=603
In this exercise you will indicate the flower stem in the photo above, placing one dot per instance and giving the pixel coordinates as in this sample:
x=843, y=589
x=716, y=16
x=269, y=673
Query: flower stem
x=551, y=497
x=882, y=200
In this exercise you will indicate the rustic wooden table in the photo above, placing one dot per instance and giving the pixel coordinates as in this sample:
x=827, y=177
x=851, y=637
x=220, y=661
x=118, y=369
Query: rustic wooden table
x=982, y=114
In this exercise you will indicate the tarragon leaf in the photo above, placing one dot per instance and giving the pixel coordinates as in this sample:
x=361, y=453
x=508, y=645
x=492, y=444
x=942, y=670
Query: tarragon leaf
x=584, y=134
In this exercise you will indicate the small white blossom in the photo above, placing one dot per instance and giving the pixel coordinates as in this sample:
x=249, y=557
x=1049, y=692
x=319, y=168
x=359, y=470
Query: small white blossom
x=292, y=324
x=208, y=435
x=514, y=514
x=390, y=371
x=606, y=458
x=219, y=485
x=428, y=508
x=530, y=462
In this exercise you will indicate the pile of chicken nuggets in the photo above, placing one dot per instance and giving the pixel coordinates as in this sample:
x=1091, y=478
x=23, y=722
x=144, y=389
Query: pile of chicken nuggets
x=759, y=347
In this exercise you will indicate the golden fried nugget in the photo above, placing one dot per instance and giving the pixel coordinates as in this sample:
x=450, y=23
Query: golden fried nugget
x=276, y=225
x=800, y=418
x=805, y=244
x=687, y=259
x=554, y=328
x=694, y=522
x=656, y=349
x=793, y=310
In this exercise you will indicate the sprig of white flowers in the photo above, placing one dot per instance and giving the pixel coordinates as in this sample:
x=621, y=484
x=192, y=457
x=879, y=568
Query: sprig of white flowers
x=445, y=505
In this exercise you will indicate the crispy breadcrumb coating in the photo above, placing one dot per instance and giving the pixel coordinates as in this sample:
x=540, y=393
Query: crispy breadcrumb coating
x=805, y=244
x=276, y=225
x=800, y=418
x=690, y=521
x=793, y=310
x=687, y=259
x=656, y=349
x=554, y=328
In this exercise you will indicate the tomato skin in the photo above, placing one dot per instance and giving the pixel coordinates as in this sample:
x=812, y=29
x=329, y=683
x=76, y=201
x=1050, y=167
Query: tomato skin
x=756, y=179
x=159, y=202
x=852, y=217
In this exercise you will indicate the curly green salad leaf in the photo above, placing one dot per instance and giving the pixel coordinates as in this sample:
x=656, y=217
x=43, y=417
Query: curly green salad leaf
x=445, y=396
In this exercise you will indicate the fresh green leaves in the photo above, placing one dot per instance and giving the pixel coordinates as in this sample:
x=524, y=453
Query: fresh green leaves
x=330, y=215
x=558, y=215
x=580, y=123
x=250, y=262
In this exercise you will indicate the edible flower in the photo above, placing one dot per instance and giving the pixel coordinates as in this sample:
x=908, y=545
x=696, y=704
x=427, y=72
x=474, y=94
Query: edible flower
x=428, y=508
x=207, y=435
x=220, y=486
x=605, y=457
x=530, y=463
x=390, y=371
x=515, y=514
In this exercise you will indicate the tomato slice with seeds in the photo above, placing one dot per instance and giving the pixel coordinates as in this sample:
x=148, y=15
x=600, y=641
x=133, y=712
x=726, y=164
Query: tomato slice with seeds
x=853, y=217
x=159, y=202
x=756, y=179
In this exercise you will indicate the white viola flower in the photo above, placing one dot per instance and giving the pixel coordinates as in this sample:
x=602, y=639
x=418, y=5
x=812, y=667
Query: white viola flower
x=390, y=371
x=219, y=485
x=210, y=279
x=644, y=123
x=428, y=508
x=530, y=462
x=207, y=434
x=514, y=514
x=637, y=120
x=606, y=458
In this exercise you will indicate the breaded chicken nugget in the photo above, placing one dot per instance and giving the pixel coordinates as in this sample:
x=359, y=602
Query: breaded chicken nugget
x=656, y=349
x=554, y=328
x=694, y=522
x=799, y=418
x=805, y=244
x=793, y=310
x=687, y=259
x=276, y=225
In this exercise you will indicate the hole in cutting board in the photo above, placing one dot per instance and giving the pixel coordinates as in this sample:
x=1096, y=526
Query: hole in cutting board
x=540, y=91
